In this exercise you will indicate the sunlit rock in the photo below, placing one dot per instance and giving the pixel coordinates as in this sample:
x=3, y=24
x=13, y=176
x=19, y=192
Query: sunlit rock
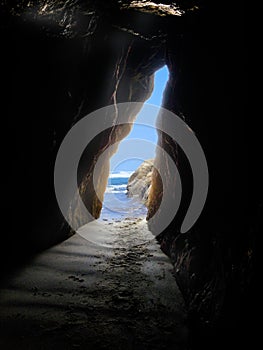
x=139, y=182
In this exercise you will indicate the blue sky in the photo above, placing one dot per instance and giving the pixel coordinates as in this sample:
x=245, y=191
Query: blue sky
x=122, y=161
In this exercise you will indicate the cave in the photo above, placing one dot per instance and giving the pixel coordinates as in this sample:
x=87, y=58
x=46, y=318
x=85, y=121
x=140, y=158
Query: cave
x=63, y=61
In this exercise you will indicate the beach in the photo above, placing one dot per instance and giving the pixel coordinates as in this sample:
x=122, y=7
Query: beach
x=118, y=293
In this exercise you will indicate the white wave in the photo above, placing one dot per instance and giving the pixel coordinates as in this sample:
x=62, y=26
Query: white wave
x=114, y=190
x=118, y=186
x=123, y=174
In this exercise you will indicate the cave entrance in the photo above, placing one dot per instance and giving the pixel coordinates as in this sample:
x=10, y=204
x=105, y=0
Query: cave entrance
x=130, y=177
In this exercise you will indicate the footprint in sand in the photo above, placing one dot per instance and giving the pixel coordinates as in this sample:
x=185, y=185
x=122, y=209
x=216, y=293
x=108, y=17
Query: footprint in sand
x=76, y=279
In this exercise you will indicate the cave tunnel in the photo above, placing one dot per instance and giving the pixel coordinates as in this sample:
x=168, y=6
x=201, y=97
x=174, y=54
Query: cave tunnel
x=62, y=62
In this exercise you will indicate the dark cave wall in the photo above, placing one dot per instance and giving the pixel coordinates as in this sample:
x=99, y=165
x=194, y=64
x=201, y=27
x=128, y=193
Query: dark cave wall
x=53, y=78
x=213, y=263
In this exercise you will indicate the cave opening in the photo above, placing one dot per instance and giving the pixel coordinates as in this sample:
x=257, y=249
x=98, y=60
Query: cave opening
x=131, y=167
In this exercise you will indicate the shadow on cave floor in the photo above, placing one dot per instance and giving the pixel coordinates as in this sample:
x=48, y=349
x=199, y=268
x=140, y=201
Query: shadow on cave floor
x=120, y=294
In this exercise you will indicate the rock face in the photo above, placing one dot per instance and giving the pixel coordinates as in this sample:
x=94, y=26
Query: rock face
x=139, y=183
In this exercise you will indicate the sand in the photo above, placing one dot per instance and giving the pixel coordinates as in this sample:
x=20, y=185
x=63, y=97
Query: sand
x=117, y=293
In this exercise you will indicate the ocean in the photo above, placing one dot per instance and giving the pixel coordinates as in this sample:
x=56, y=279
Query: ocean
x=116, y=204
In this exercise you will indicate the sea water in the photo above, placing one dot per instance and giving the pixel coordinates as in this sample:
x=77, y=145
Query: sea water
x=116, y=204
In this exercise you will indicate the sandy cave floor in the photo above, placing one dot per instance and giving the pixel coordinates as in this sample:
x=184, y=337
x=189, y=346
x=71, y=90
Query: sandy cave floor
x=120, y=294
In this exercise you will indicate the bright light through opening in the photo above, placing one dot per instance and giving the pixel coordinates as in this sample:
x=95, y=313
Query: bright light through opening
x=121, y=168
x=140, y=131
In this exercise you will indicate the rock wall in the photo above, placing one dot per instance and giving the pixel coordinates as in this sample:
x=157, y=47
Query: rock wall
x=65, y=62
x=139, y=182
